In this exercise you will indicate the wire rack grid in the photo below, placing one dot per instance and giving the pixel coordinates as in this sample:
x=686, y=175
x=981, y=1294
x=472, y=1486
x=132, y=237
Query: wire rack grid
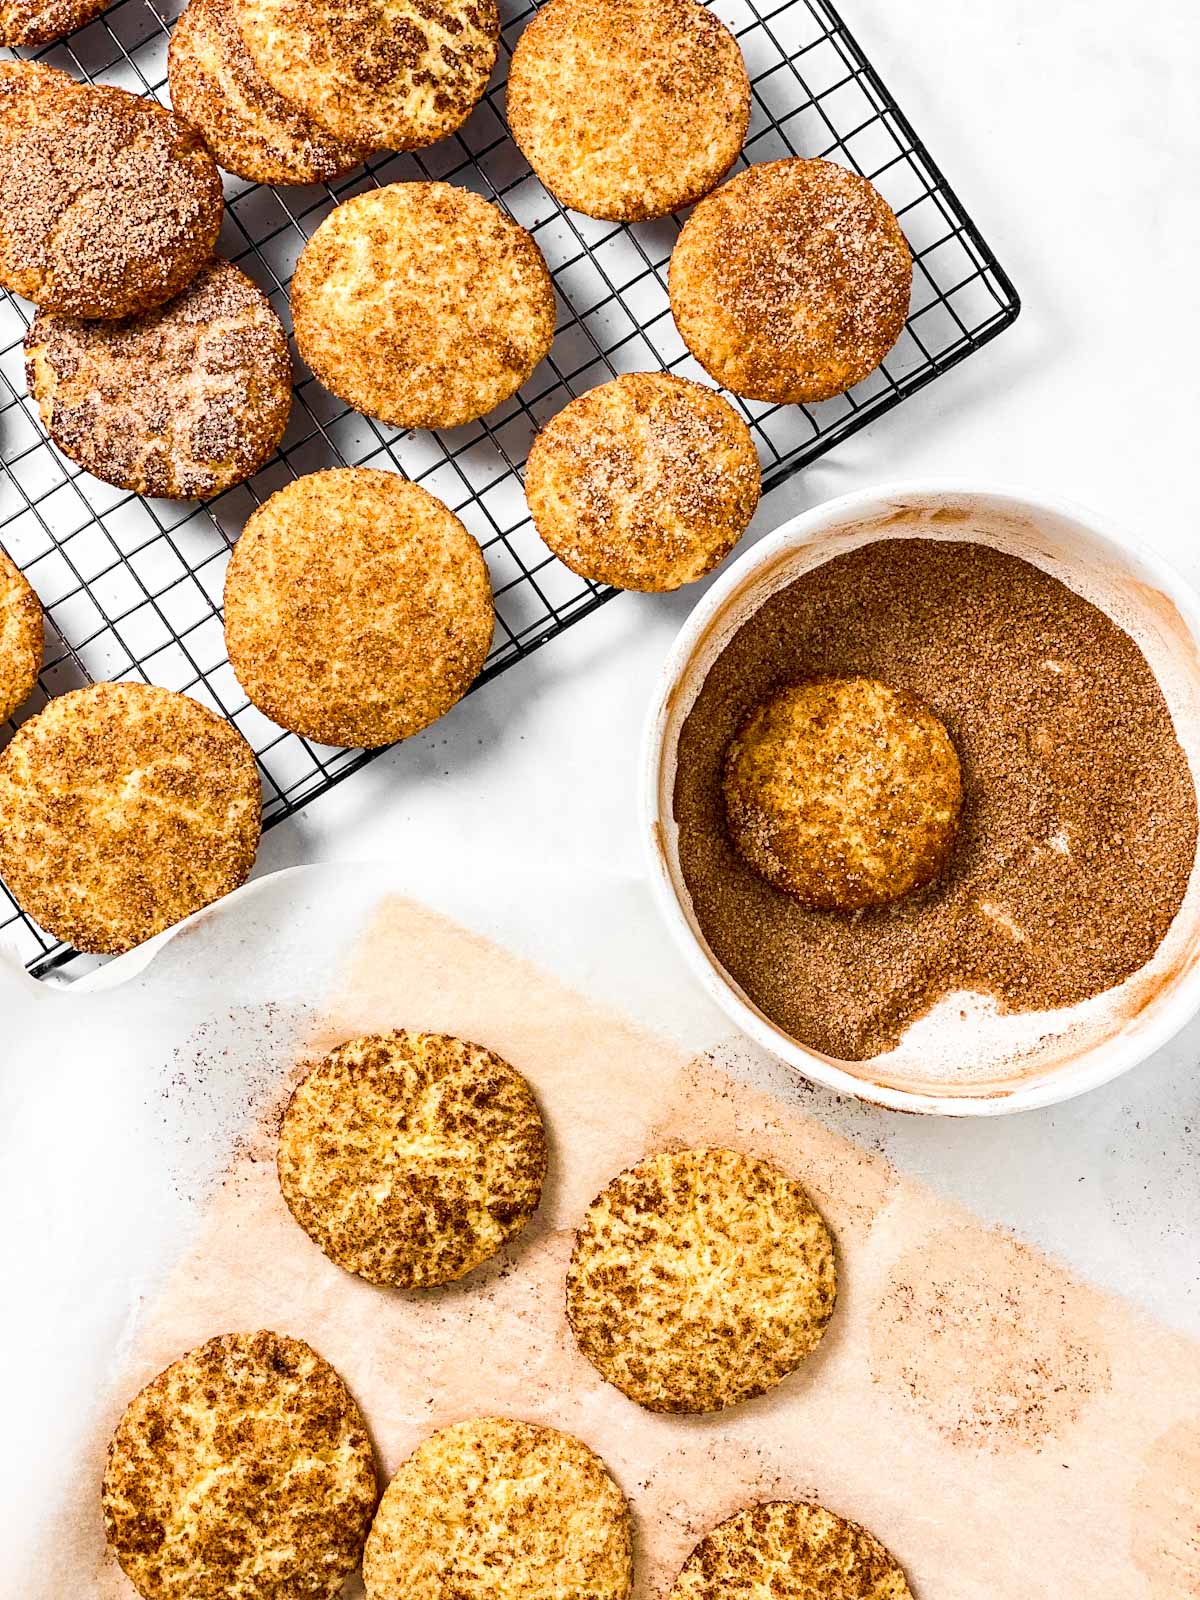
x=132, y=587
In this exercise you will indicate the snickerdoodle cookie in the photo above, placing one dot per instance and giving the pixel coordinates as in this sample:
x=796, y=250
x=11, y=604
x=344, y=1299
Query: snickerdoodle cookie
x=410, y=1158
x=700, y=1278
x=792, y=281
x=109, y=205
x=843, y=792
x=628, y=109
x=421, y=304
x=646, y=482
x=358, y=609
x=182, y=401
x=242, y=1472
x=251, y=130
x=123, y=808
x=790, y=1550
x=20, y=637
x=493, y=1509
x=27, y=22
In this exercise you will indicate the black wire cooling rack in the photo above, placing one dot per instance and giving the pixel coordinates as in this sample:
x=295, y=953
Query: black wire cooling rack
x=132, y=587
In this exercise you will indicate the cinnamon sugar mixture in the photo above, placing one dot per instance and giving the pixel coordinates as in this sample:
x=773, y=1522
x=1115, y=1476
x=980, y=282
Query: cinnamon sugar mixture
x=1079, y=822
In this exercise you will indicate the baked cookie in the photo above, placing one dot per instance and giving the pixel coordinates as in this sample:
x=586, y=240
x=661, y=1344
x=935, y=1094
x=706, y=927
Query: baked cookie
x=789, y=1550
x=792, y=281
x=391, y=74
x=700, y=1278
x=243, y=1472
x=28, y=22
x=492, y=1509
x=109, y=205
x=249, y=128
x=410, y=1158
x=358, y=609
x=182, y=401
x=646, y=482
x=842, y=792
x=20, y=637
x=628, y=109
x=421, y=304
x=124, y=808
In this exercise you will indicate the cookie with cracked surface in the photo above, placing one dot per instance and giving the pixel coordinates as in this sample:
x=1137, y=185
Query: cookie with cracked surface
x=792, y=281
x=181, y=402
x=700, y=1278
x=645, y=482
x=790, y=1550
x=109, y=205
x=242, y=1472
x=411, y=1158
x=250, y=129
x=358, y=609
x=20, y=637
x=628, y=109
x=124, y=808
x=493, y=1509
x=29, y=22
x=422, y=304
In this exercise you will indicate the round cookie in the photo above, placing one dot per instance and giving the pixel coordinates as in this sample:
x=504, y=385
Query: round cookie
x=410, y=1158
x=250, y=129
x=700, y=1278
x=124, y=808
x=421, y=304
x=628, y=109
x=20, y=637
x=109, y=205
x=792, y=282
x=358, y=609
x=646, y=482
x=493, y=1509
x=843, y=792
x=29, y=22
x=392, y=74
x=790, y=1550
x=181, y=402
x=243, y=1471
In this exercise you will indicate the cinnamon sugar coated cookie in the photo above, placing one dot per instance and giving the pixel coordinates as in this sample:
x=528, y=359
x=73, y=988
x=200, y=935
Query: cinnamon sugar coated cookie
x=250, y=129
x=494, y=1509
x=843, y=792
x=790, y=1550
x=109, y=205
x=358, y=609
x=410, y=1158
x=182, y=401
x=421, y=304
x=27, y=22
x=646, y=482
x=20, y=638
x=792, y=282
x=628, y=109
x=700, y=1278
x=392, y=74
x=124, y=808
x=242, y=1472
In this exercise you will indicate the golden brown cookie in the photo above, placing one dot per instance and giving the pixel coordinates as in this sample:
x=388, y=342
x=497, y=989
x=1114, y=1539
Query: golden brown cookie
x=422, y=304
x=358, y=609
x=646, y=482
x=109, y=205
x=249, y=128
x=392, y=74
x=493, y=1509
x=182, y=401
x=243, y=1472
x=790, y=1550
x=700, y=1278
x=843, y=792
x=124, y=808
x=628, y=109
x=792, y=281
x=20, y=637
x=27, y=22
x=410, y=1158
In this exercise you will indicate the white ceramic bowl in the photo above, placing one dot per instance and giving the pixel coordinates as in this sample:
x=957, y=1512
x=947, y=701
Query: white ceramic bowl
x=993, y=1064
